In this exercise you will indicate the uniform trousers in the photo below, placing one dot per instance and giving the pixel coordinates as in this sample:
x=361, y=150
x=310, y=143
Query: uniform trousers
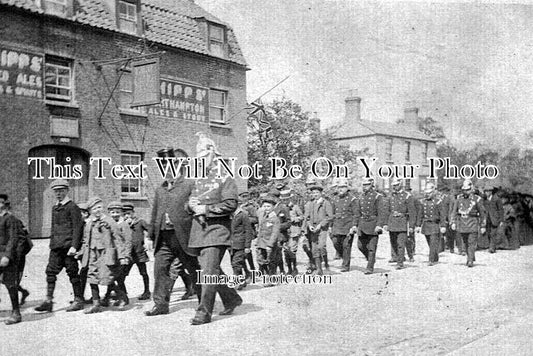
x=410, y=245
x=492, y=233
x=167, y=252
x=210, y=258
x=237, y=261
x=343, y=245
x=433, y=241
x=368, y=245
x=470, y=244
x=453, y=240
x=397, y=243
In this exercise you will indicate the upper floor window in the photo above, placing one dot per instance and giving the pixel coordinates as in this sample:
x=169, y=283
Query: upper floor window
x=388, y=149
x=216, y=40
x=408, y=152
x=217, y=106
x=58, y=79
x=127, y=16
x=125, y=92
x=133, y=186
x=425, y=153
x=56, y=7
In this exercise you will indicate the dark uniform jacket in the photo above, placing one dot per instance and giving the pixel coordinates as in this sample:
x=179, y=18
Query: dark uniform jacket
x=343, y=214
x=494, y=208
x=284, y=216
x=447, y=204
x=251, y=209
x=468, y=213
x=268, y=231
x=219, y=195
x=172, y=201
x=402, y=211
x=67, y=226
x=10, y=237
x=432, y=215
x=241, y=230
x=371, y=211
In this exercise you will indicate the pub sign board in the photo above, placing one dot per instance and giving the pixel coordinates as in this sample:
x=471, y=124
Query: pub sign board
x=21, y=73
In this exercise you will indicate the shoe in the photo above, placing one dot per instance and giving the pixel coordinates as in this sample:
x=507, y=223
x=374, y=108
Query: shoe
x=157, y=310
x=463, y=253
x=145, y=296
x=104, y=302
x=432, y=264
x=189, y=293
x=14, y=318
x=197, y=320
x=45, y=306
x=411, y=260
x=96, y=308
x=78, y=304
x=122, y=303
x=89, y=301
x=345, y=269
x=492, y=251
x=369, y=271
x=338, y=257
x=470, y=264
x=241, y=286
x=392, y=260
x=400, y=266
x=229, y=311
x=25, y=295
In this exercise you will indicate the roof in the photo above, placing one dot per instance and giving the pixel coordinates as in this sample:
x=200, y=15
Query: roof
x=363, y=128
x=173, y=23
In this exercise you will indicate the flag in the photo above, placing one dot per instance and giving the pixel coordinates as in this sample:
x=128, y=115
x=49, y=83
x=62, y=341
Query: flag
x=258, y=113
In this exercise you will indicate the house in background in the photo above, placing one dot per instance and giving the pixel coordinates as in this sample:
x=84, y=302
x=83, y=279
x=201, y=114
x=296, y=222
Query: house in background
x=66, y=90
x=390, y=143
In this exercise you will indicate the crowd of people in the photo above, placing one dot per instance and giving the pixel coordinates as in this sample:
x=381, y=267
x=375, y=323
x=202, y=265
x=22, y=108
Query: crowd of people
x=194, y=222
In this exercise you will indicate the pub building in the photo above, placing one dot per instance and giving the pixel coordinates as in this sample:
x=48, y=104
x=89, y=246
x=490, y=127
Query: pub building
x=70, y=71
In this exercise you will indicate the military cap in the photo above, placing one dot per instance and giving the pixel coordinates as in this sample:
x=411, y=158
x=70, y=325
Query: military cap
x=285, y=194
x=367, y=181
x=429, y=187
x=83, y=206
x=92, y=202
x=205, y=145
x=316, y=187
x=342, y=182
x=128, y=207
x=467, y=184
x=166, y=152
x=59, y=184
x=114, y=205
x=396, y=181
x=310, y=180
x=269, y=199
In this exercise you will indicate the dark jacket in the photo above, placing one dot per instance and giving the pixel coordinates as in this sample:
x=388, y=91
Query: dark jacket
x=172, y=201
x=432, y=215
x=219, y=195
x=494, y=208
x=371, y=211
x=241, y=230
x=67, y=226
x=284, y=216
x=468, y=213
x=268, y=231
x=402, y=211
x=10, y=238
x=343, y=213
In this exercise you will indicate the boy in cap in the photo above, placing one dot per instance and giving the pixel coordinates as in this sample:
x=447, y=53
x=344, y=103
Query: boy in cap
x=104, y=253
x=267, y=235
x=138, y=252
x=241, y=239
x=317, y=217
x=65, y=241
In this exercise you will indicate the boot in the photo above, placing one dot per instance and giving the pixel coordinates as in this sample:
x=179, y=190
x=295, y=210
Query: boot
x=96, y=308
x=78, y=304
x=14, y=318
x=145, y=296
x=187, y=281
x=25, y=295
x=123, y=300
x=325, y=258
x=45, y=306
x=318, y=263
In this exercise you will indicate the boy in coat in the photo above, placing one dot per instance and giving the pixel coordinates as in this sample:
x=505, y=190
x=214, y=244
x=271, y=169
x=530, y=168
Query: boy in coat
x=241, y=239
x=267, y=235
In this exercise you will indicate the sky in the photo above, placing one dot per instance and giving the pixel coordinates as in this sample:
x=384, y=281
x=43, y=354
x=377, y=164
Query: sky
x=467, y=65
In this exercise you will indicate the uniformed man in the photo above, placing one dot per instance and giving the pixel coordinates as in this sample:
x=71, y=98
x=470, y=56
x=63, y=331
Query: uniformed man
x=283, y=213
x=410, y=243
x=306, y=244
x=290, y=248
x=494, y=208
x=468, y=216
x=344, y=227
x=212, y=202
x=317, y=218
x=402, y=219
x=65, y=241
x=170, y=228
x=432, y=221
x=371, y=218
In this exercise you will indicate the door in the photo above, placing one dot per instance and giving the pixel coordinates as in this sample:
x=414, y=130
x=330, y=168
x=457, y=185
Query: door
x=41, y=197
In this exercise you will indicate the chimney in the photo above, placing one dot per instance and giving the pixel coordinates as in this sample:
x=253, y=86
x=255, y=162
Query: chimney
x=410, y=114
x=353, y=107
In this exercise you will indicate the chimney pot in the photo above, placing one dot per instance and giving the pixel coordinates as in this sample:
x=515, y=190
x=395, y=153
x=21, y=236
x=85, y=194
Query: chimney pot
x=411, y=116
